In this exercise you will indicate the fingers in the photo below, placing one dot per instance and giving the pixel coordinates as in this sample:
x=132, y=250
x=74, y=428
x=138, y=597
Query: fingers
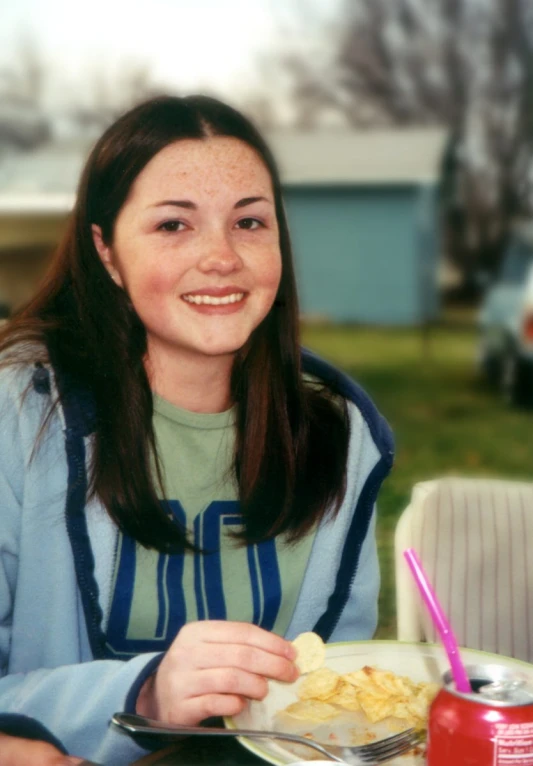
x=212, y=668
x=196, y=709
x=219, y=644
x=16, y=751
x=240, y=656
x=194, y=695
x=227, y=681
x=223, y=632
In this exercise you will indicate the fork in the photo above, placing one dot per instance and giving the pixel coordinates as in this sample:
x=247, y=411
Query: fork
x=375, y=752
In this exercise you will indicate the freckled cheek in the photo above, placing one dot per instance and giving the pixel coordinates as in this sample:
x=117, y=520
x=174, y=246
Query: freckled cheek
x=270, y=273
x=275, y=281
x=146, y=269
x=158, y=282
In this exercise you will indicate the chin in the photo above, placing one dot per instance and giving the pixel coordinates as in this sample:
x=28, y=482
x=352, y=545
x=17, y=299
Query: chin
x=220, y=348
x=223, y=350
x=224, y=346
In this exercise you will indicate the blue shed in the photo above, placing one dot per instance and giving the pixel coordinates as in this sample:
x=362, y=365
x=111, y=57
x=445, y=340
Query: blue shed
x=362, y=214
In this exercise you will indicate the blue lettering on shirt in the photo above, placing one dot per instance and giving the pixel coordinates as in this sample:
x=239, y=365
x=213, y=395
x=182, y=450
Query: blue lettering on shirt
x=208, y=526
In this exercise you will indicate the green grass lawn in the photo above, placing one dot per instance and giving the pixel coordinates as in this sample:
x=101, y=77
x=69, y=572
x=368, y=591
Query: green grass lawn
x=445, y=419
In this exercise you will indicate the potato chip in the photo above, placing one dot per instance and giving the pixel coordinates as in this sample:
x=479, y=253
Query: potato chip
x=427, y=693
x=392, y=684
x=319, y=684
x=401, y=709
x=378, y=681
x=311, y=710
x=310, y=652
x=361, y=678
x=380, y=694
x=345, y=696
x=419, y=706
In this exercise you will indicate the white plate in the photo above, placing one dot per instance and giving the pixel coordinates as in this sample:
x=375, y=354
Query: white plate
x=421, y=662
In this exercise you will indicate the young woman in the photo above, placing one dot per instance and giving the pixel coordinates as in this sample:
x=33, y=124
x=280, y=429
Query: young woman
x=183, y=488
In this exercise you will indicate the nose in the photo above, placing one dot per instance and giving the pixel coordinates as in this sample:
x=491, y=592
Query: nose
x=219, y=254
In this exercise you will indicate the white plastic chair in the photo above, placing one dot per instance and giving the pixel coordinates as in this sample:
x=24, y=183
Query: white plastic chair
x=475, y=540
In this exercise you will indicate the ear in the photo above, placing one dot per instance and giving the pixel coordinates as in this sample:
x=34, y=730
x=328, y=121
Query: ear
x=106, y=254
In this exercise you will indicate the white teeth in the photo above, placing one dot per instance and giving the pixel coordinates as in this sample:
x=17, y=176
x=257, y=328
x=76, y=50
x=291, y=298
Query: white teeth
x=210, y=300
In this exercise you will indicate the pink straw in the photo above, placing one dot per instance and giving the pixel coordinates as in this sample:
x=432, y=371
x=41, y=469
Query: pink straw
x=462, y=683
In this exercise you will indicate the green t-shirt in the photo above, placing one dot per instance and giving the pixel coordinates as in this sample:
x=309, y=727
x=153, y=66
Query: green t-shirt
x=154, y=594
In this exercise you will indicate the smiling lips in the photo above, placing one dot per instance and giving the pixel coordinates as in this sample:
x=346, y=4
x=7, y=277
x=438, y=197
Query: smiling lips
x=204, y=299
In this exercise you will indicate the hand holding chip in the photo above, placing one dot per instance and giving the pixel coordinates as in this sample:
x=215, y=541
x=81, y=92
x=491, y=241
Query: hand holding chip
x=212, y=668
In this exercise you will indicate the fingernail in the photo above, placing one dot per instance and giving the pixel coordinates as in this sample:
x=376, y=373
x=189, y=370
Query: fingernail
x=290, y=652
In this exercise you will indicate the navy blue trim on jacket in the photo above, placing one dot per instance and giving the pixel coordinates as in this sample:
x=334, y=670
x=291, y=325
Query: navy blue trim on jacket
x=382, y=436
x=78, y=423
x=79, y=539
x=339, y=381
x=148, y=670
x=79, y=419
x=351, y=551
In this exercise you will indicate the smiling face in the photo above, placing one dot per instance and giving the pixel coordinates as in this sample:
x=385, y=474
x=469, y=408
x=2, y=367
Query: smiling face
x=196, y=248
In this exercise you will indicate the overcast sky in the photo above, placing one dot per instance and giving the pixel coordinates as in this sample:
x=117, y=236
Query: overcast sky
x=186, y=43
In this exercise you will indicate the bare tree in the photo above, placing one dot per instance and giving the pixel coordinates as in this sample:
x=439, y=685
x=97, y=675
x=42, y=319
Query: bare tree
x=107, y=94
x=28, y=116
x=487, y=178
x=23, y=122
x=465, y=64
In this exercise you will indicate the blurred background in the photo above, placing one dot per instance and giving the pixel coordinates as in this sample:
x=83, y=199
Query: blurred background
x=404, y=134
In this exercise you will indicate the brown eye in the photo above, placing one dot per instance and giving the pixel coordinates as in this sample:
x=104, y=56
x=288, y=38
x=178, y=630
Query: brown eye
x=249, y=223
x=170, y=226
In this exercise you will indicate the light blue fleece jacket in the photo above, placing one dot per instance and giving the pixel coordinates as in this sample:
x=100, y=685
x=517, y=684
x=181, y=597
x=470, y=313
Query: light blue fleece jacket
x=56, y=562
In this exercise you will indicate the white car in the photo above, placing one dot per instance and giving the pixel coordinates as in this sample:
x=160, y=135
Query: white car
x=506, y=323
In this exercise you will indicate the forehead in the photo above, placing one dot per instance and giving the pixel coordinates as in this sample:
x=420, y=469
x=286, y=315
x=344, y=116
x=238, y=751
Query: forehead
x=205, y=165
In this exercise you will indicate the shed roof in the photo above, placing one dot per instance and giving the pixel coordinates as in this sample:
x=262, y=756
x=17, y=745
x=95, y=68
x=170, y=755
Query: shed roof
x=44, y=180
x=406, y=156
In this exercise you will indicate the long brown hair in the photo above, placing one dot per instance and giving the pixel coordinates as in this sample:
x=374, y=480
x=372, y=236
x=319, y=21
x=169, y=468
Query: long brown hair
x=292, y=438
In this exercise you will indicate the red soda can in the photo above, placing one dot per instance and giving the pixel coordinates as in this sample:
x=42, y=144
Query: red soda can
x=492, y=726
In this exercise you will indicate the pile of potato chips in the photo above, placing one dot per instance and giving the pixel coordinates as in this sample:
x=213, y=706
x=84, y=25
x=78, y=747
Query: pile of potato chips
x=379, y=694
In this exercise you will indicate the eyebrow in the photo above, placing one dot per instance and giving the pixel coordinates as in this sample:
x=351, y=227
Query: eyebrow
x=186, y=203
x=249, y=201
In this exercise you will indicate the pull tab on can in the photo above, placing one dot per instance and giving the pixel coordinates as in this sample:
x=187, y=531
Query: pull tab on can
x=504, y=691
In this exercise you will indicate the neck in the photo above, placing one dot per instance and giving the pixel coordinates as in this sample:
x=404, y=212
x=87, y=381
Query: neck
x=197, y=385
